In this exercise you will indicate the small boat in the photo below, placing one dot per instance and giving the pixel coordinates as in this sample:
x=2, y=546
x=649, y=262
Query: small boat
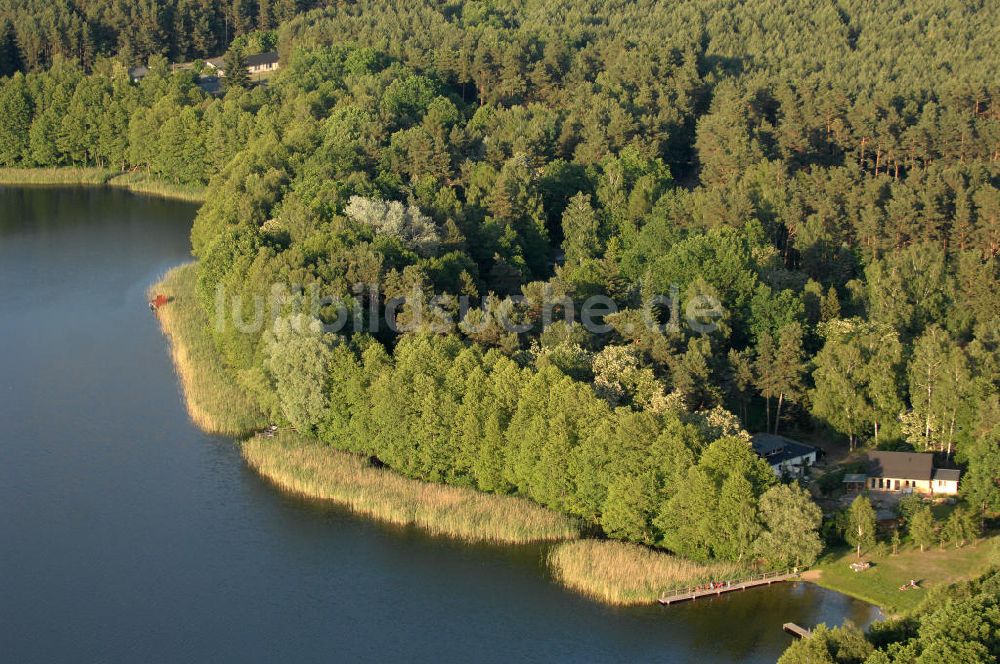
x=158, y=301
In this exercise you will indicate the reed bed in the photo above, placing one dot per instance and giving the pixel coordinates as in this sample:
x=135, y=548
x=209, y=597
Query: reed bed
x=626, y=574
x=62, y=175
x=309, y=468
x=143, y=184
x=214, y=400
x=91, y=176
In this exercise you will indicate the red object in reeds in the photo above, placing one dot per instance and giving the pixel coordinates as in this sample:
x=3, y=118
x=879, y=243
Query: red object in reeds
x=159, y=301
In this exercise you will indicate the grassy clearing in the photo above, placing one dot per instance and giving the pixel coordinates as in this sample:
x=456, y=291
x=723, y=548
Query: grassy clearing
x=880, y=584
x=214, y=400
x=65, y=175
x=69, y=175
x=625, y=574
x=309, y=468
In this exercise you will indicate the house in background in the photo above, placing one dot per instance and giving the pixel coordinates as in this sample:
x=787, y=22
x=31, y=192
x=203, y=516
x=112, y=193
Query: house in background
x=787, y=457
x=138, y=73
x=258, y=64
x=262, y=63
x=909, y=472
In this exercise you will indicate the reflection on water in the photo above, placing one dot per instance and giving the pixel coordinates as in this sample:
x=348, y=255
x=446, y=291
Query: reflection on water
x=126, y=534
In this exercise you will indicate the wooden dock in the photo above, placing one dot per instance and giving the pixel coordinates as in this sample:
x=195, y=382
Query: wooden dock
x=796, y=630
x=686, y=594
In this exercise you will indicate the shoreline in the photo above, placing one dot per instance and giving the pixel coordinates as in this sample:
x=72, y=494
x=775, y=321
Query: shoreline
x=609, y=571
x=619, y=573
x=307, y=468
x=213, y=400
x=310, y=469
x=880, y=586
x=136, y=183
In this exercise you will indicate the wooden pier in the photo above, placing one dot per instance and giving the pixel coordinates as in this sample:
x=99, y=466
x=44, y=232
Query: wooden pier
x=686, y=594
x=796, y=630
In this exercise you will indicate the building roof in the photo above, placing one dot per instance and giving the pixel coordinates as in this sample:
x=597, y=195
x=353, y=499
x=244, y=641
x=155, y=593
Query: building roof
x=136, y=73
x=215, y=63
x=269, y=58
x=901, y=465
x=855, y=478
x=777, y=449
x=947, y=474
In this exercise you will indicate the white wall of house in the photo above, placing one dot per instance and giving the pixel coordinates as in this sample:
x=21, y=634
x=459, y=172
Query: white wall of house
x=793, y=467
x=893, y=484
x=945, y=487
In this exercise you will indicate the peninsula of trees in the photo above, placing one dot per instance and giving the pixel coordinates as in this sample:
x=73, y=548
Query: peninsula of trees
x=826, y=172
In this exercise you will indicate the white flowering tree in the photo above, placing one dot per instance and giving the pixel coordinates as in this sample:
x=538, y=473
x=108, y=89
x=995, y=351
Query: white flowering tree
x=392, y=218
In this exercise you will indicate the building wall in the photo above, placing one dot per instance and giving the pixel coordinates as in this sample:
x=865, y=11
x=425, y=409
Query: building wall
x=945, y=487
x=257, y=69
x=794, y=466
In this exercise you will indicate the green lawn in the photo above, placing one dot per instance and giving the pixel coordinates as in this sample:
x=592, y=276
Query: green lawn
x=880, y=584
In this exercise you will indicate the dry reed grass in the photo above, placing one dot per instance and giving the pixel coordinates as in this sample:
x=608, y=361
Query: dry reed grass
x=214, y=400
x=93, y=176
x=625, y=574
x=142, y=184
x=312, y=469
x=62, y=175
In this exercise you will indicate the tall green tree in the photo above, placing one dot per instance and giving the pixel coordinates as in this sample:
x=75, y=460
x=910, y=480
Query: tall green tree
x=235, y=66
x=580, y=228
x=939, y=384
x=15, y=120
x=791, y=527
x=921, y=528
x=737, y=522
x=789, y=369
x=860, y=531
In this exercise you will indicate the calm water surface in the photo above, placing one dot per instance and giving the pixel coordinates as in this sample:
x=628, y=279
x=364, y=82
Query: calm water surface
x=128, y=535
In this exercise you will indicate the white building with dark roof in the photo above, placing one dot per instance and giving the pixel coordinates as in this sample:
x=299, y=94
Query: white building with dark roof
x=909, y=472
x=787, y=457
x=259, y=63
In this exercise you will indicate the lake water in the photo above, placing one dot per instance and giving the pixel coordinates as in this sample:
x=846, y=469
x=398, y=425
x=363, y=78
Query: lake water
x=128, y=535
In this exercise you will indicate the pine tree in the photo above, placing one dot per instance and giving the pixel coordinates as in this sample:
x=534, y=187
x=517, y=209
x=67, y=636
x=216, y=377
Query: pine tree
x=789, y=368
x=580, y=228
x=15, y=120
x=235, y=67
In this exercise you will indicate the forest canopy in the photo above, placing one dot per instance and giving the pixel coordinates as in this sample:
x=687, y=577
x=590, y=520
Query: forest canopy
x=826, y=172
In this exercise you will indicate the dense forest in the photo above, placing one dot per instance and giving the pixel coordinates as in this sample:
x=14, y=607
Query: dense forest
x=34, y=33
x=826, y=172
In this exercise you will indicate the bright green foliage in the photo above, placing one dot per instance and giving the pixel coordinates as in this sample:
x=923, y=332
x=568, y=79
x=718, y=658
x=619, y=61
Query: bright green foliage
x=791, y=522
x=15, y=120
x=857, y=377
x=837, y=200
x=961, y=527
x=956, y=624
x=921, y=528
x=580, y=230
x=299, y=358
x=736, y=519
x=840, y=645
x=860, y=532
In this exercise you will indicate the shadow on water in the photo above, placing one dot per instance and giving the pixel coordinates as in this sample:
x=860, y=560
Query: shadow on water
x=126, y=534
